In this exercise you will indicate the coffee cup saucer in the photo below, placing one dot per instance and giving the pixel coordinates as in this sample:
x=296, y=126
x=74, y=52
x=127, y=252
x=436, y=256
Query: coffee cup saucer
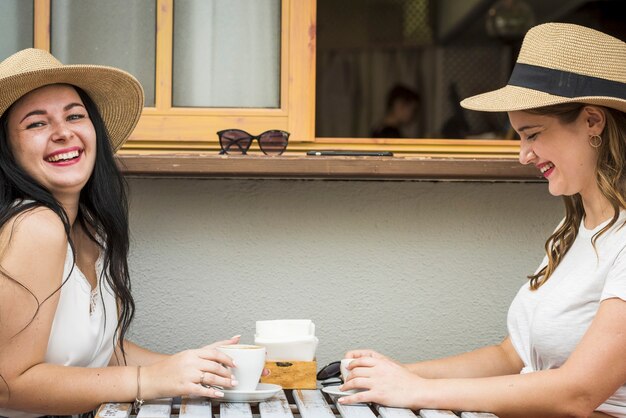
x=263, y=392
x=335, y=391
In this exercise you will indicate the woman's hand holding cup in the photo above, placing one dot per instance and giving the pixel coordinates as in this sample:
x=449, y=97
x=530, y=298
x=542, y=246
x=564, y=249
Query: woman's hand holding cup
x=198, y=372
x=365, y=353
x=248, y=363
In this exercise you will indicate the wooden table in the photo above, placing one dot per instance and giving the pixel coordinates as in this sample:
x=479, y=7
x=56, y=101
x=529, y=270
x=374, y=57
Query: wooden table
x=286, y=404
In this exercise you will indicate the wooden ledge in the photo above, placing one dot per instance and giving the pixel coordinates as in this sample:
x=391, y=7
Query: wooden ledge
x=315, y=167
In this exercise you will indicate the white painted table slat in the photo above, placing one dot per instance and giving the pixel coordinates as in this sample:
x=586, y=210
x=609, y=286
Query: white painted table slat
x=435, y=413
x=158, y=408
x=276, y=407
x=389, y=412
x=235, y=410
x=195, y=408
x=311, y=404
x=114, y=410
x=355, y=411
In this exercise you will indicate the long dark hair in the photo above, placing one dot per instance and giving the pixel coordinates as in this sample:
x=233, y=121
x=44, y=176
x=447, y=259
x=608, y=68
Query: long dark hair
x=103, y=212
x=610, y=177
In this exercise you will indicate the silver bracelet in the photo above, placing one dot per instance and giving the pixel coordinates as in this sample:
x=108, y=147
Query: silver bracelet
x=138, y=399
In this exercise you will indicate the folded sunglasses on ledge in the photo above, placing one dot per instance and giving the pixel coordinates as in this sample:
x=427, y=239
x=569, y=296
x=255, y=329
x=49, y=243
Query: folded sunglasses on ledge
x=330, y=375
x=236, y=141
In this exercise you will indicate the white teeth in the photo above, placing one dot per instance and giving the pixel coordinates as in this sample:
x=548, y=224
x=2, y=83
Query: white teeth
x=62, y=157
x=546, y=167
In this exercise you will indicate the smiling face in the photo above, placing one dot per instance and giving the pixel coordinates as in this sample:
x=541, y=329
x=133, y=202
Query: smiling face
x=53, y=139
x=561, y=151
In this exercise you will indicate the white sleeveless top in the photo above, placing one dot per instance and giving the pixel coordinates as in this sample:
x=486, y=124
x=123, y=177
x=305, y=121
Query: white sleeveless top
x=83, y=329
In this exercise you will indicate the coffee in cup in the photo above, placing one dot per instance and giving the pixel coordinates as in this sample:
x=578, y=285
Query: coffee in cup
x=249, y=361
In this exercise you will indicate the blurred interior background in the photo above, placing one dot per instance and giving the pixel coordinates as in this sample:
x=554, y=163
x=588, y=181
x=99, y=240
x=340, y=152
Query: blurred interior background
x=443, y=50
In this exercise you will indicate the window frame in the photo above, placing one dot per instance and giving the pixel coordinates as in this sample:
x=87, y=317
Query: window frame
x=164, y=129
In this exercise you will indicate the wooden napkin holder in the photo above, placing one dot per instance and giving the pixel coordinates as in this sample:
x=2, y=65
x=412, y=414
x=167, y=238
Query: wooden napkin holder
x=292, y=374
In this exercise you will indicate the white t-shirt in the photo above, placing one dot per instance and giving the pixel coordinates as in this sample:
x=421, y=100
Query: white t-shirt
x=78, y=336
x=546, y=325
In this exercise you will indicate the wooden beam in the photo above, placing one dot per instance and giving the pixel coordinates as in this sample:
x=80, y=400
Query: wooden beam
x=41, y=24
x=308, y=167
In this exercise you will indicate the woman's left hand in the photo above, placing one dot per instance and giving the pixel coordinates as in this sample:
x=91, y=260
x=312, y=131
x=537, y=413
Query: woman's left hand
x=386, y=383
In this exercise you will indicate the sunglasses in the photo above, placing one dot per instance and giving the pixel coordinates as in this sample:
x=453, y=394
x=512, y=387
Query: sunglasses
x=330, y=371
x=233, y=141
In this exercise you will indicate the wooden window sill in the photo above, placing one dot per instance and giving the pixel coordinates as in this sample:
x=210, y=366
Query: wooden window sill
x=301, y=166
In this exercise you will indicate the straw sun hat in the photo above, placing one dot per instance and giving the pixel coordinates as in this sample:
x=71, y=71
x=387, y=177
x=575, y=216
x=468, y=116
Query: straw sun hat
x=117, y=94
x=561, y=63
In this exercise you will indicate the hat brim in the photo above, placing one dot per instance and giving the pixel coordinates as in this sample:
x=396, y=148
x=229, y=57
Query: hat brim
x=117, y=94
x=511, y=98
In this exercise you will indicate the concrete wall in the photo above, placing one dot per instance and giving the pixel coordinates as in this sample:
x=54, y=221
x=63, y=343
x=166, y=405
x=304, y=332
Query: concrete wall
x=413, y=269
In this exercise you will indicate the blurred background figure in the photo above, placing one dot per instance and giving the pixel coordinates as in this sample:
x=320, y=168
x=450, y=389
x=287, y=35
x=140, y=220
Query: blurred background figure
x=456, y=126
x=401, y=110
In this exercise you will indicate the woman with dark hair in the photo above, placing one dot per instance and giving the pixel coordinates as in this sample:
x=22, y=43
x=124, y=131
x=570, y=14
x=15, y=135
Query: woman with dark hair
x=565, y=353
x=65, y=292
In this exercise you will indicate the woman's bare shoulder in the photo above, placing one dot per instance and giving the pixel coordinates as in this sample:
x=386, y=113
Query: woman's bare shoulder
x=34, y=227
x=32, y=243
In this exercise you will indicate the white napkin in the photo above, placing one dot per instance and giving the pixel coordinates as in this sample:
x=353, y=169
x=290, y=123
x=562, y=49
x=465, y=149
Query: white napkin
x=285, y=328
x=287, y=339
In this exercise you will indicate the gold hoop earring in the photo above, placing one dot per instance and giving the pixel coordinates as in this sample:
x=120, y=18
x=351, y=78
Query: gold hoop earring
x=595, y=141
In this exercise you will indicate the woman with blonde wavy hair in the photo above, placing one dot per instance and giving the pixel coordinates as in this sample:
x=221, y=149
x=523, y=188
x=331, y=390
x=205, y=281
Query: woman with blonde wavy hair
x=565, y=353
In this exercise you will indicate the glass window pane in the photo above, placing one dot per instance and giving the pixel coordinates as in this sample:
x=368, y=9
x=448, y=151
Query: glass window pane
x=227, y=53
x=16, y=26
x=119, y=33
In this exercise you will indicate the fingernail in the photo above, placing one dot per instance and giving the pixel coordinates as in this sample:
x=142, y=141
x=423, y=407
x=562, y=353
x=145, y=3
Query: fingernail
x=234, y=382
x=235, y=336
x=234, y=364
x=219, y=394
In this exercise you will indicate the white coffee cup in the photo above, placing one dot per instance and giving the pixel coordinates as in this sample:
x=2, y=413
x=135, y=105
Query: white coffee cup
x=344, y=368
x=345, y=372
x=249, y=361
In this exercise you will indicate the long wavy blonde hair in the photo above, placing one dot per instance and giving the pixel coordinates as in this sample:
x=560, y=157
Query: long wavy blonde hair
x=610, y=176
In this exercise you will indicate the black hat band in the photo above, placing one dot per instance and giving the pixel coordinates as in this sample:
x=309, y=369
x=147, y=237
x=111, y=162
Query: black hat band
x=564, y=83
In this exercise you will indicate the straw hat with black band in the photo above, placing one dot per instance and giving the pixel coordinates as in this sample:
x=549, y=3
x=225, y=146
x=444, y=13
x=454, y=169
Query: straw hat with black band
x=561, y=63
x=117, y=94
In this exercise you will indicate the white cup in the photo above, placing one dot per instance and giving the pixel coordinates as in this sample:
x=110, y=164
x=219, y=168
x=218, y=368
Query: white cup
x=344, y=368
x=345, y=372
x=249, y=361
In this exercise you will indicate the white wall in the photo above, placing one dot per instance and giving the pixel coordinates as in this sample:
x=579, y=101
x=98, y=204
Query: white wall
x=413, y=269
